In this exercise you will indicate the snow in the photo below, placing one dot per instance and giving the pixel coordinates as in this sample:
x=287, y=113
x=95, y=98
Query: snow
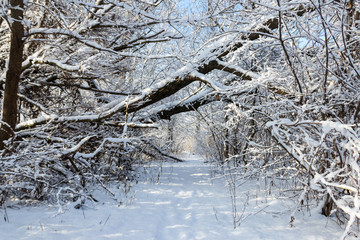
x=54, y=62
x=185, y=202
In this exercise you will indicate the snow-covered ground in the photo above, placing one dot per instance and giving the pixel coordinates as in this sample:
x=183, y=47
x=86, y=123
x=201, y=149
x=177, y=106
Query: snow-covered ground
x=186, y=202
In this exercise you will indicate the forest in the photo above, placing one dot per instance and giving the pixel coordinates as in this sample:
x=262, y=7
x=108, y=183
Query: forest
x=92, y=89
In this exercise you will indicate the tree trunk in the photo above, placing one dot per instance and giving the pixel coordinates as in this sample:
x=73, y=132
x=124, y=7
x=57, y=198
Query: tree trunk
x=9, y=110
x=328, y=206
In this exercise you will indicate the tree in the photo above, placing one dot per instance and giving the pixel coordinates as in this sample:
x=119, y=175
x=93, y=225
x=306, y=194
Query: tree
x=10, y=106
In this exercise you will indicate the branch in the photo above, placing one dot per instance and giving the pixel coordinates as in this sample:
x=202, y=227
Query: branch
x=166, y=112
x=288, y=59
x=266, y=28
x=78, y=37
x=148, y=97
x=76, y=148
x=38, y=105
x=193, y=103
x=81, y=86
x=242, y=73
x=157, y=149
x=30, y=61
x=141, y=40
x=130, y=124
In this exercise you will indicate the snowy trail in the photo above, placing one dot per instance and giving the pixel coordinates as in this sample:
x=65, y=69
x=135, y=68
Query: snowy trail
x=186, y=203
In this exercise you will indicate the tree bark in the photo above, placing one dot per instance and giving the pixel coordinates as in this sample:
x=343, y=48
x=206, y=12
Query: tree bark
x=9, y=108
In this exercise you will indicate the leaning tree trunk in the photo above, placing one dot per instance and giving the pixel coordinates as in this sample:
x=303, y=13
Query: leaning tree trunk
x=9, y=108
